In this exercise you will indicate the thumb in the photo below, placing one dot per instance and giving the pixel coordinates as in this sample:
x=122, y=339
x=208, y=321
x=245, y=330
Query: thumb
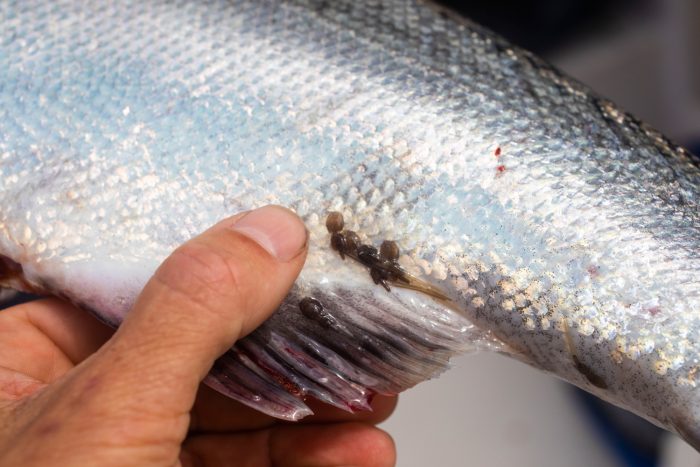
x=211, y=291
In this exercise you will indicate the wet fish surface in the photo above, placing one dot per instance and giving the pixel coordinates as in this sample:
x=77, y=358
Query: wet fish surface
x=530, y=216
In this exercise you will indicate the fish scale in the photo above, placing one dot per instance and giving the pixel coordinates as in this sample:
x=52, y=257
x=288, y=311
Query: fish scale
x=561, y=230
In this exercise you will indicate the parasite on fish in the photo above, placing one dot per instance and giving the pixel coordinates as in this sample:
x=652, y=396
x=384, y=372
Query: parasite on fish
x=351, y=241
x=594, y=378
x=383, y=264
x=313, y=310
x=389, y=250
x=310, y=307
x=339, y=243
x=339, y=239
x=368, y=255
x=119, y=143
x=335, y=222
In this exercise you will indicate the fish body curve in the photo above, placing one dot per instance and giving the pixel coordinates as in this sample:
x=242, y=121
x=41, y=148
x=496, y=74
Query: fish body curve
x=549, y=224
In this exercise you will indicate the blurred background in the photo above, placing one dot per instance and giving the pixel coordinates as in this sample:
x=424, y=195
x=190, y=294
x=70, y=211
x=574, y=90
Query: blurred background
x=491, y=411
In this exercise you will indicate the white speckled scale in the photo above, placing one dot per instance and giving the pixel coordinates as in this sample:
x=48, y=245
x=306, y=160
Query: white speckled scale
x=564, y=231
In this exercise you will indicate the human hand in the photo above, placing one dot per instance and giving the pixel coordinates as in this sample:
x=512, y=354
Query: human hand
x=71, y=393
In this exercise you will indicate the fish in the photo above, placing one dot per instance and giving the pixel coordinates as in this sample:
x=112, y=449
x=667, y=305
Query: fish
x=461, y=195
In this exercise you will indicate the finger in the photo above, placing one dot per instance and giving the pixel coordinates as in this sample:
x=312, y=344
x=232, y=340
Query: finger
x=354, y=444
x=214, y=412
x=214, y=289
x=45, y=338
x=75, y=332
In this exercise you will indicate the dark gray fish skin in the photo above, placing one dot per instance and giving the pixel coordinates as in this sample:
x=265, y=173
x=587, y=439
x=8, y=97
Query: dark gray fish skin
x=564, y=231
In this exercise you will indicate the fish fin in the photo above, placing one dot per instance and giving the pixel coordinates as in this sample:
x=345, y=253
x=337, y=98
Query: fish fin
x=357, y=343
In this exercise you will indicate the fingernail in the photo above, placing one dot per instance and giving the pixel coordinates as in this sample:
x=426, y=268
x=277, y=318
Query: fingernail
x=278, y=230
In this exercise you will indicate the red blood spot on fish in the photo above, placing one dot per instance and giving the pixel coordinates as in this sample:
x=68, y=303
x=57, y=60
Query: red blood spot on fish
x=500, y=168
x=293, y=352
x=285, y=382
x=654, y=310
x=497, y=152
x=281, y=379
x=593, y=270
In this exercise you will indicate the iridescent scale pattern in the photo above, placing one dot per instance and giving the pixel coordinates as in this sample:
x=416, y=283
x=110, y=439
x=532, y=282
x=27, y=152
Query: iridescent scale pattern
x=564, y=231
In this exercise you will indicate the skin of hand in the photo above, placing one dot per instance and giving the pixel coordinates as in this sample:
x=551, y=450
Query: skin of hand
x=73, y=392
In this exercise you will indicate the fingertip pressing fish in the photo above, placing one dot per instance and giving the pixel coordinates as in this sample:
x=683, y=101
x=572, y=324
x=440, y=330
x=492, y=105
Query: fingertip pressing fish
x=536, y=219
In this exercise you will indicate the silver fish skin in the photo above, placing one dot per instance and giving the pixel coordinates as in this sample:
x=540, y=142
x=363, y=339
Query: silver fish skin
x=563, y=231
